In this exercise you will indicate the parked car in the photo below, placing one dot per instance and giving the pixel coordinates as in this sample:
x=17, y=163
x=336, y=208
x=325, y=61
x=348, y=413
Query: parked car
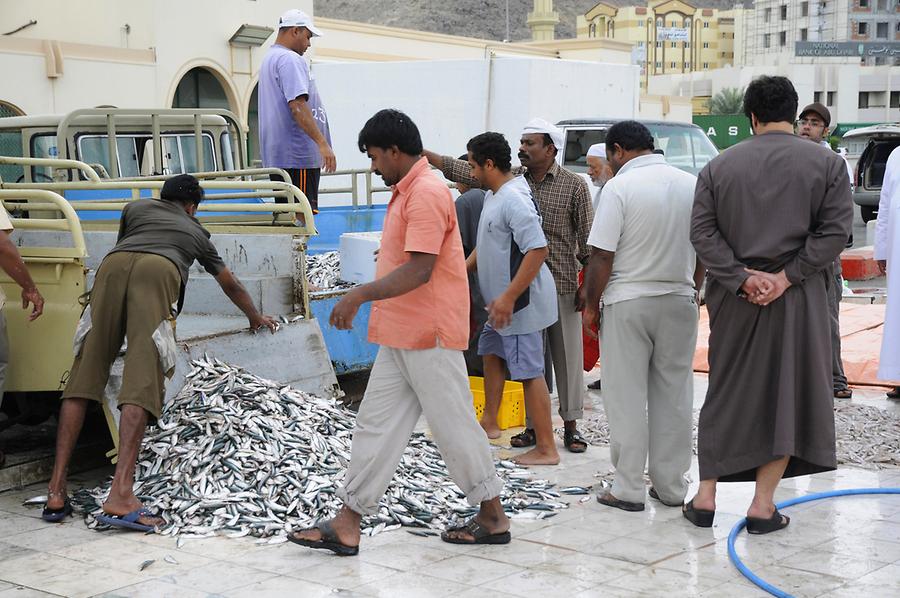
x=685, y=145
x=882, y=139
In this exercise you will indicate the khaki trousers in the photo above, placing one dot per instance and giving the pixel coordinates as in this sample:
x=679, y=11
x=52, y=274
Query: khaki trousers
x=403, y=385
x=648, y=352
x=567, y=355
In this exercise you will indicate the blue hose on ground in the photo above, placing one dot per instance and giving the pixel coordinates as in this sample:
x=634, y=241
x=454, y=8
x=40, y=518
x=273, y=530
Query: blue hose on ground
x=782, y=505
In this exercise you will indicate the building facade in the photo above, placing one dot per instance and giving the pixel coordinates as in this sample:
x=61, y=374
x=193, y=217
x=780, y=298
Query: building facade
x=670, y=36
x=774, y=26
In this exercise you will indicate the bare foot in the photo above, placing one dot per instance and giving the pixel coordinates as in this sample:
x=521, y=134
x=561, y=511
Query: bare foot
x=120, y=507
x=491, y=429
x=538, y=456
x=347, y=532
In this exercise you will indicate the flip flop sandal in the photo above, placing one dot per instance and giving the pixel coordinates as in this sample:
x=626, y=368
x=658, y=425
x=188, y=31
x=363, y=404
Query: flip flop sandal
x=523, y=439
x=327, y=541
x=655, y=496
x=843, y=393
x=611, y=501
x=893, y=394
x=574, y=441
x=129, y=521
x=479, y=533
x=759, y=525
x=57, y=515
x=699, y=517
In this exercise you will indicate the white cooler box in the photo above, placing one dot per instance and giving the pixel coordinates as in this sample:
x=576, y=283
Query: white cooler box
x=358, y=256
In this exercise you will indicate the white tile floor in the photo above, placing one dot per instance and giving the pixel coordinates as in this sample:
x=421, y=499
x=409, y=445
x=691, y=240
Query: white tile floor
x=846, y=547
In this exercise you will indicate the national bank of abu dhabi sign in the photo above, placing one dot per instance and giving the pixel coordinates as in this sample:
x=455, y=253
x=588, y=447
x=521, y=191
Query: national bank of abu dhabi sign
x=848, y=49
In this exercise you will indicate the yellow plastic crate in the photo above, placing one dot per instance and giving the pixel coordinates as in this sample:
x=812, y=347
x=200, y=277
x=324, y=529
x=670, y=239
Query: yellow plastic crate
x=512, y=403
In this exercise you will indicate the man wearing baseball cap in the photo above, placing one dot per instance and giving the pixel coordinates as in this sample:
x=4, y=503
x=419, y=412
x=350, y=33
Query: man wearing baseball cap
x=294, y=131
x=813, y=124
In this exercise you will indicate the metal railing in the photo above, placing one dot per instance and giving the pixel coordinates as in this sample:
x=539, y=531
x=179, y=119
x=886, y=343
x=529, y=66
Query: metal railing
x=54, y=163
x=41, y=199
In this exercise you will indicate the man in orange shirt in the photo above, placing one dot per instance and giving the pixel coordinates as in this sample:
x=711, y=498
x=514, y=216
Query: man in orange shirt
x=420, y=318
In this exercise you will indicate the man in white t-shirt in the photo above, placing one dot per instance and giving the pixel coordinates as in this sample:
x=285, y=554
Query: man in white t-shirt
x=646, y=272
x=11, y=263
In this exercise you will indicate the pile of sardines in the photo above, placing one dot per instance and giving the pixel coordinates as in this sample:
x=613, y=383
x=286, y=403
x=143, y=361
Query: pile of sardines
x=237, y=455
x=323, y=271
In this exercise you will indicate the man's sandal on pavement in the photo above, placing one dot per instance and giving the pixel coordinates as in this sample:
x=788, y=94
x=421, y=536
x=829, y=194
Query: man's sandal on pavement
x=699, y=517
x=328, y=540
x=843, y=393
x=479, y=533
x=574, y=441
x=759, y=525
x=893, y=394
x=129, y=521
x=611, y=501
x=56, y=515
x=524, y=438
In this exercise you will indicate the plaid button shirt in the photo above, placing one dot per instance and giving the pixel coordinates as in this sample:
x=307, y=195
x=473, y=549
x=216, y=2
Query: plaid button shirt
x=566, y=215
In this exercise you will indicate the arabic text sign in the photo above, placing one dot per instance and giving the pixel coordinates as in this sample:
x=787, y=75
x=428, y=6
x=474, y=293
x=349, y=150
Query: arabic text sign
x=847, y=49
x=672, y=34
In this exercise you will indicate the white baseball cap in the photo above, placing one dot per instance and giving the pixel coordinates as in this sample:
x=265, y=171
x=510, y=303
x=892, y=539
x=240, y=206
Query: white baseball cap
x=298, y=18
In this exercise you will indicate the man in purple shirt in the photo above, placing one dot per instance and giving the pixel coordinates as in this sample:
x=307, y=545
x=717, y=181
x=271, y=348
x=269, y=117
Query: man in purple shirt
x=293, y=124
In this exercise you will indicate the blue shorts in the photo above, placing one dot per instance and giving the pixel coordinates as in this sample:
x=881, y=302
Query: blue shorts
x=523, y=353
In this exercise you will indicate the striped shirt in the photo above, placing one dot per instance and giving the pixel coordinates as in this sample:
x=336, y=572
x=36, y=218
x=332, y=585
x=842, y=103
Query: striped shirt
x=567, y=215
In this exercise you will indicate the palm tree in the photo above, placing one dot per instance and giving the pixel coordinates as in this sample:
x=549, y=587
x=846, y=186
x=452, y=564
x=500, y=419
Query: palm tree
x=728, y=101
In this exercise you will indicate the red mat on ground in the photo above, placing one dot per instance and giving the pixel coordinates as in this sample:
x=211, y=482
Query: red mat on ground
x=861, y=330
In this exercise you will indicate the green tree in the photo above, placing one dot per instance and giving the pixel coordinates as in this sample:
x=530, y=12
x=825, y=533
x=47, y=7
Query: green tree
x=728, y=101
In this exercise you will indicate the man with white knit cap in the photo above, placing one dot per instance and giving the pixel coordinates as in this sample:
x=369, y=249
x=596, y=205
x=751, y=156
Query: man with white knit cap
x=564, y=203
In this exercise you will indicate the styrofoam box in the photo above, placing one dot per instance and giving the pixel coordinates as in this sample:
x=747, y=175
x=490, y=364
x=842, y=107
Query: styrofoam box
x=358, y=256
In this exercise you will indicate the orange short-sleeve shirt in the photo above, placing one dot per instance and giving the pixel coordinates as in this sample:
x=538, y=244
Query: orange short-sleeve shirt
x=421, y=218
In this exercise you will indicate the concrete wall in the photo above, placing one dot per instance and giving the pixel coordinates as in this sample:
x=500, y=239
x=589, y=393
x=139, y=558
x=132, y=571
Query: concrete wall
x=448, y=100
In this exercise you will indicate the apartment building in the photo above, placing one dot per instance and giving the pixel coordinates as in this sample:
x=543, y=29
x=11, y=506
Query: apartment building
x=670, y=36
x=774, y=26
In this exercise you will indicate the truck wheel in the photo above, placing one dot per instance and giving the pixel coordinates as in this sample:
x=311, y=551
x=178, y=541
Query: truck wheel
x=868, y=213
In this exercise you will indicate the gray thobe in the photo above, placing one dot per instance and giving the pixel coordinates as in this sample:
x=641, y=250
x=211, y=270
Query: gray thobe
x=468, y=214
x=773, y=202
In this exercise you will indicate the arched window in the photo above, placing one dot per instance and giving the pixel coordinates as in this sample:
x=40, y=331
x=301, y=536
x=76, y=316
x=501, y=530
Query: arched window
x=199, y=88
x=11, y=145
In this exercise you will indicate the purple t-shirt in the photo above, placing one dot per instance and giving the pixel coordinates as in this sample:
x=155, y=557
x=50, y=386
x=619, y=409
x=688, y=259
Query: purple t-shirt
x=284, y=76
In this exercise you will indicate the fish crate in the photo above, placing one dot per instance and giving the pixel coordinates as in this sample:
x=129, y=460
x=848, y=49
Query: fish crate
x=512, y=403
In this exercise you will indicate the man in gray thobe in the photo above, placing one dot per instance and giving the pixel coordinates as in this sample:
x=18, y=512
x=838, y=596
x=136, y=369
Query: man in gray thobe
x=770, y=216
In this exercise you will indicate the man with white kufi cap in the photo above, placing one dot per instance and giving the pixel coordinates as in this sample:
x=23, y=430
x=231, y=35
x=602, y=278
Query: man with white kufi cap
x=564, y=203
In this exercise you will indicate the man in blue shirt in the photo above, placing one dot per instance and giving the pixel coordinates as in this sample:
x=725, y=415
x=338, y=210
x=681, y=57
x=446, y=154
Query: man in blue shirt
x=293, y=125
x=518, y=289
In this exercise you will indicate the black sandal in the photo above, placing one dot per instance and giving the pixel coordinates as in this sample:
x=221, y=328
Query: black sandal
x=611, y=501
x=56, y=515
x=893, y=394
x=328, y=541
x=699, y=517
x=759, y=525
x=480, y=534
x=524, y=438
x=574, y=441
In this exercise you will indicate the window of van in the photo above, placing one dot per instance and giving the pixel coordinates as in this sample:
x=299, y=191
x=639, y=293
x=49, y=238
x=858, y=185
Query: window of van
x=43, y=146
x=686, y=148
x=133, y=151
x=228, y=157
x=11, y=145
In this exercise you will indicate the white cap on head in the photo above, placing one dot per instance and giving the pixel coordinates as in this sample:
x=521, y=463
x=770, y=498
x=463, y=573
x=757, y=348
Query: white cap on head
x=598, y=150
x=298, y=18
x=541, y=126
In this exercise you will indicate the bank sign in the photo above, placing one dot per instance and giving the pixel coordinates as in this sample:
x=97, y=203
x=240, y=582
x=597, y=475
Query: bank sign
x=848, y=49
x=724, y=130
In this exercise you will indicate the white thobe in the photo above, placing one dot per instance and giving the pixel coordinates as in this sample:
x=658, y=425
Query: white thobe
x=887, y=247
x=594, y=191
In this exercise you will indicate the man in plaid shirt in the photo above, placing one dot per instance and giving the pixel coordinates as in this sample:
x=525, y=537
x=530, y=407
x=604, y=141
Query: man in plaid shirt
x=564, y=203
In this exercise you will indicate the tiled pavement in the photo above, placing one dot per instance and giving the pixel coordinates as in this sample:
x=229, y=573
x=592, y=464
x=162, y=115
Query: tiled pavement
x=846, y=547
